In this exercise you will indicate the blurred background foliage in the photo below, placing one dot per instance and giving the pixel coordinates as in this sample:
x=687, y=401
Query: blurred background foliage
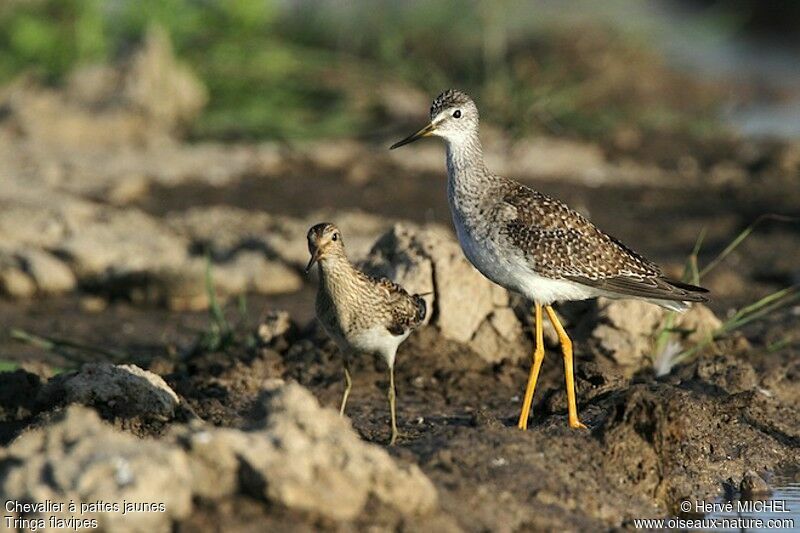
x=301, y=69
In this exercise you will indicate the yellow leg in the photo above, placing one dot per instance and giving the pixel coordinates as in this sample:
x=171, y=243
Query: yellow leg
x=348, y=384
x=392, y=406
x=566, y=348
x=538, y=357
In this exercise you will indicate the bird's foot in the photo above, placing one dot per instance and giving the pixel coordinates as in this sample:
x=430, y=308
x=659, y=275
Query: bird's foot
x=574, y=423
x=396, y=434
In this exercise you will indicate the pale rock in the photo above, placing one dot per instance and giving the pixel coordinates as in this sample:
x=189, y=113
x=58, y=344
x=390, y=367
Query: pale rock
x=127, y=189
x=296, y=455
x=213, y=458
x=302, y=457
x=254, y=272
x=14, y=282
x=226, y=229
x=332, y=154
x=49, y=273
x=626, y=329
x=121, y=387
x=550, y=157
x=118, y=243
x=465, y=306
x=727, y=173
x=312, y=460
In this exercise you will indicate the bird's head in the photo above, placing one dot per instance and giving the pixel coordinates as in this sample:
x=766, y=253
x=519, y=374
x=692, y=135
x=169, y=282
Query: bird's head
x=324, y=240
x=454, y=117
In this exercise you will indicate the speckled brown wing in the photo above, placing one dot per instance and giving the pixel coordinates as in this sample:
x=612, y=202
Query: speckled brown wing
x=406, y=311
x=562, y=244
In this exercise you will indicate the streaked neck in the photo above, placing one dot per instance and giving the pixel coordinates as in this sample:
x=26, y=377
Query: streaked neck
x=467, y=176
x=465, y=157
x=336, y=273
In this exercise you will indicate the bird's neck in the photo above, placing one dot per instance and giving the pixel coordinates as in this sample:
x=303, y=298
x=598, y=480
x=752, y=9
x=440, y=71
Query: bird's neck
x=468, y=177
x=336, y=274
x=465, y=156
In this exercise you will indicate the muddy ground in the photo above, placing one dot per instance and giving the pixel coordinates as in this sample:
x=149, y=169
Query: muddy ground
x=651, y=442
x=110, y=219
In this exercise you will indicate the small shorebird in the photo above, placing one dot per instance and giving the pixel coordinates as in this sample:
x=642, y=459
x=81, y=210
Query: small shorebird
x=535, y=245
x=360, y=313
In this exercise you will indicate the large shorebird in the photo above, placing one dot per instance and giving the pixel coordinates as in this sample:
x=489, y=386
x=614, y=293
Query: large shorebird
x=534, y=245
x=361, y=314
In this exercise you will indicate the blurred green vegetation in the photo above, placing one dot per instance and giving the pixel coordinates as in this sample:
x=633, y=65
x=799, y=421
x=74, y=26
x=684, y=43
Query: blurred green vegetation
x=310, y=68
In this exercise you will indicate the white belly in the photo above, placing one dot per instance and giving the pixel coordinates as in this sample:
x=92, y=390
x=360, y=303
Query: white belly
x=378, y=341
x=512, y=271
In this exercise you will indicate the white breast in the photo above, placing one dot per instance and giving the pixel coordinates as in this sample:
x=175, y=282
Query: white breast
x=378, y=341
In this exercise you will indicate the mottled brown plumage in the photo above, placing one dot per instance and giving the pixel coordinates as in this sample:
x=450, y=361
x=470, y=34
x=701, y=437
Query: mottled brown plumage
x=563, y=244
x=349, y=301
x=361, y=314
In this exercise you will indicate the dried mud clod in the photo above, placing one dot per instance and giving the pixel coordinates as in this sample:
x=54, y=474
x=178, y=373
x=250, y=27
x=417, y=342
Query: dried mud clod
x=126, y=395
x=682, y=442
x=297, y=456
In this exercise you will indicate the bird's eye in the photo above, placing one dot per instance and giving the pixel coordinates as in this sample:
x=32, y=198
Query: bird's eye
x=335, y=237
x=457, y=114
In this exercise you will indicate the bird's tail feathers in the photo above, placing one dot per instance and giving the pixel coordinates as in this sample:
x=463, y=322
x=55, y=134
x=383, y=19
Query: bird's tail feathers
x=422, y=306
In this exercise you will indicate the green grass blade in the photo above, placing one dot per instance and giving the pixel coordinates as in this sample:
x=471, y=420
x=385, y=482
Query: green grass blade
x=62, y=346
x=690, y=272
x=779, y=344
x=765, y=301
x=755, y=311
x=8, y=366
x=763, y=312
x=215, y=311
x=741, y=237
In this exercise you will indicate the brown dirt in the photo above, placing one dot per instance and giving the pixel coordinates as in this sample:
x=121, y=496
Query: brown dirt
x=652, y=441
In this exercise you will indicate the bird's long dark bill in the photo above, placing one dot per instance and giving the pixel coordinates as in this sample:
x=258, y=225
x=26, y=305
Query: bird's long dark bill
x=314, y=258
x=424, y=132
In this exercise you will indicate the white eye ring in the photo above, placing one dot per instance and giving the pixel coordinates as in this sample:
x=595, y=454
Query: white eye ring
x=457, y=114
